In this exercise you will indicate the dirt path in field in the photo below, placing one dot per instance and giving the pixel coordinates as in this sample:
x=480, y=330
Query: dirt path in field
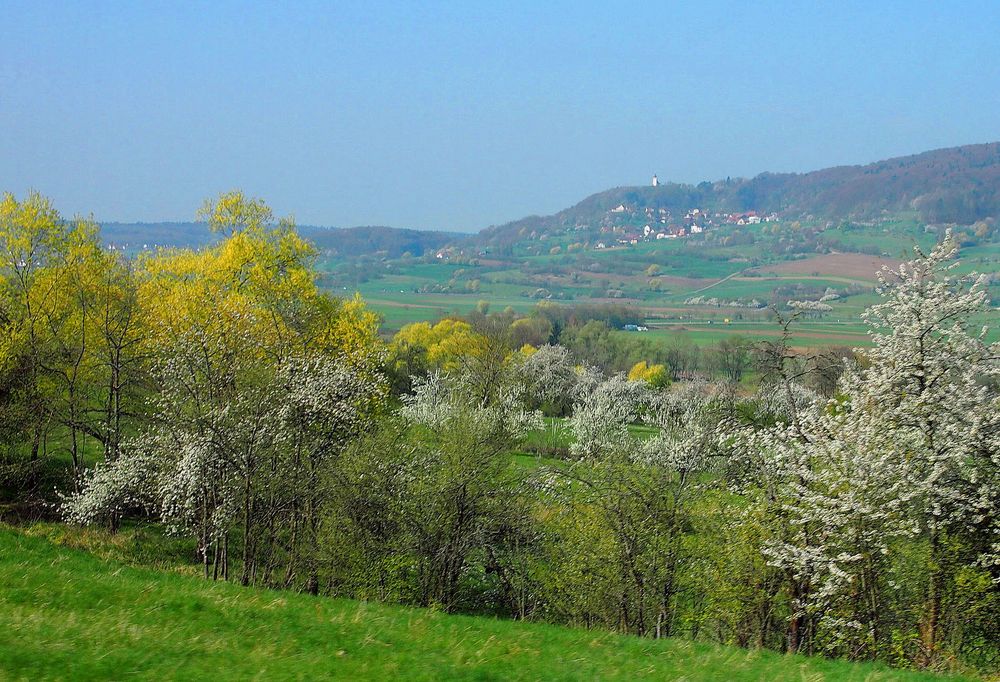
x=399, y=304
x=715, y=284
x=723, y=329
x=774, y=277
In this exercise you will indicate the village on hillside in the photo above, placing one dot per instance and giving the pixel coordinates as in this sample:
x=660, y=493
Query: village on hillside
x=620, y=223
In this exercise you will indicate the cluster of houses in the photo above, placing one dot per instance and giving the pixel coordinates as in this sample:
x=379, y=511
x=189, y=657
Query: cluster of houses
x=660, y=224
x=748, y=218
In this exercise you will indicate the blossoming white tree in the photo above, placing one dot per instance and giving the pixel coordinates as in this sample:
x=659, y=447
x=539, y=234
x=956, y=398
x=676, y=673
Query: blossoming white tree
x=462, y=494
x=236, y=443
x=643, y=485
x=911, y=451
x=551, y=376
x=602, y=414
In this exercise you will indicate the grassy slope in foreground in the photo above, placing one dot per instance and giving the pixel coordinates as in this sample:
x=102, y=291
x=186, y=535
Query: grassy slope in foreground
x=69, y=615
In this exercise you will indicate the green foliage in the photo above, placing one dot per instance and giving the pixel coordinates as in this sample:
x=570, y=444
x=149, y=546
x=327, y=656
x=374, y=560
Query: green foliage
x=595, y=343
x=433, y=521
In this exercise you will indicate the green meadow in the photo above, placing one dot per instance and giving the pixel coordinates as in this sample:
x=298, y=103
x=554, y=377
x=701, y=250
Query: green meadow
x=69, y=614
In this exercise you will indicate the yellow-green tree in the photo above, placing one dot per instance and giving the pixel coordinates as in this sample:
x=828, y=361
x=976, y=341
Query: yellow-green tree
x=420, y=347
x=535, y=330
x=31, y=234
x=655, y=375
x=260, y=278
x=258, y=379
x=69, y=323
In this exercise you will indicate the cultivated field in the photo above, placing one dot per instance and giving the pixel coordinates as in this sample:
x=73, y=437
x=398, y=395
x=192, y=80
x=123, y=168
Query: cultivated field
x=850, y=265
x=701, y=289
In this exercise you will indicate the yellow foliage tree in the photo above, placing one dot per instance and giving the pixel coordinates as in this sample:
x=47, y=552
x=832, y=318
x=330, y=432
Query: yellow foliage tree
x=421, y=346
x=81, y=326
x=257, y=284
x=656, y=376
x=71, y=323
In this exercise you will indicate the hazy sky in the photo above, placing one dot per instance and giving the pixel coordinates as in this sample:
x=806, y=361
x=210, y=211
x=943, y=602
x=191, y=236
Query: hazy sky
x=459, y=115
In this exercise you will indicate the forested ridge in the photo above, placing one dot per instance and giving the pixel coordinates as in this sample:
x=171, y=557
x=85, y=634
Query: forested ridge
x=842, y=503
x=952, y=185
x=348, y=242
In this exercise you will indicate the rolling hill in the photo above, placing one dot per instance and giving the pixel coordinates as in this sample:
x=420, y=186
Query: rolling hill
x=952, y=185
x=389, y=242
x=957, y=184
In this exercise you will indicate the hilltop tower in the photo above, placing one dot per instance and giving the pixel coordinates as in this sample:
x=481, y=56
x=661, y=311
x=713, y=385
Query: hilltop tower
x=656, y=182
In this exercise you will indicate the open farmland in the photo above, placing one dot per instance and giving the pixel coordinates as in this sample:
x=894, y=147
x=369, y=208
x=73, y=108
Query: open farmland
x=687, y=287
x=849, y=265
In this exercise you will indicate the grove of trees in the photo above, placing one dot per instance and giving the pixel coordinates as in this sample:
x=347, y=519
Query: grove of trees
x=845, y=504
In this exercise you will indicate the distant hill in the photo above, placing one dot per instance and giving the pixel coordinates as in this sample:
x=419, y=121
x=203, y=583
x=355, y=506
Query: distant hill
x=958, y=184
x=392, y=242
x=150, y=235
x=353, y=241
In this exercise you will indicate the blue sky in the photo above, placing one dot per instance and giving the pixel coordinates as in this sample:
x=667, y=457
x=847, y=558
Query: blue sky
x=460, y=115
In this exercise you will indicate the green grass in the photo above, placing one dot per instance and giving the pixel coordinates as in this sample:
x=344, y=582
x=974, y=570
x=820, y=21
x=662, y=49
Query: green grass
x=805, y=336
x=69, y=615
x=546, y=445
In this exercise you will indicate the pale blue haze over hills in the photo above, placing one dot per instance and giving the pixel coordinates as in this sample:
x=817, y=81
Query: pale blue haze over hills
x=458, y=115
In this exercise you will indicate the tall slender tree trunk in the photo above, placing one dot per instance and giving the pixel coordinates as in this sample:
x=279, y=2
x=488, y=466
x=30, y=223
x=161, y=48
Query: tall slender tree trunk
x=932, y=606
x=36, y=441
x=794, y=635
x=203, y=536
x=247, y=514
